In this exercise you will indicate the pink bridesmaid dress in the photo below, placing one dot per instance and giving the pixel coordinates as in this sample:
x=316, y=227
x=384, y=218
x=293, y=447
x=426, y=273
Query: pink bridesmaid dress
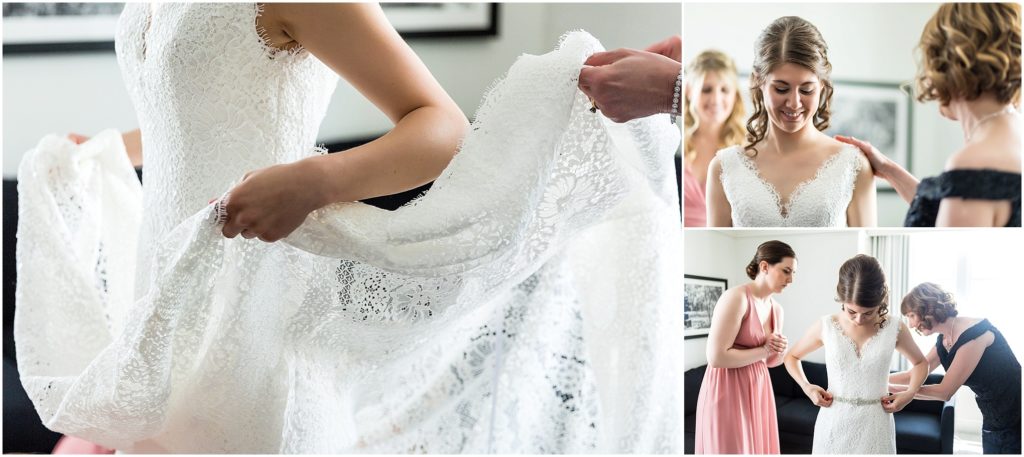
x=736, y=406
x=694, y=209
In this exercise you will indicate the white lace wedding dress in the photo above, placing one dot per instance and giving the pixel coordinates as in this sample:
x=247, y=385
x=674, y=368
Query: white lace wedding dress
x=529, y=302
x=856, y=422
x=818, y=202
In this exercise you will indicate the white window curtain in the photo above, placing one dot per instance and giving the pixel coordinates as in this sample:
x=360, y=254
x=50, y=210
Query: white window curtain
x=893, y=252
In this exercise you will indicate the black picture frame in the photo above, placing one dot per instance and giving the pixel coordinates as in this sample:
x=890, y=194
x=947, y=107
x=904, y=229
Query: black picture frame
x=700, y=295
x=879, y=112
x=53, y=28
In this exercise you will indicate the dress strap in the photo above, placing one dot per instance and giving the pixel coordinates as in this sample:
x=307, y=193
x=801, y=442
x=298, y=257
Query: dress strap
x=972, y=332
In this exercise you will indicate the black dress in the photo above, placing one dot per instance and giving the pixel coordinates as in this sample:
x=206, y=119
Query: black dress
x=996, y=384
x=967, y=184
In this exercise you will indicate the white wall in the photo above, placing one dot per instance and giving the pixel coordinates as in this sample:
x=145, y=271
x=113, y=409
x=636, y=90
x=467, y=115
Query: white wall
x=871, y=42
x=811, y=295
x=709, y=253
x=84, y=92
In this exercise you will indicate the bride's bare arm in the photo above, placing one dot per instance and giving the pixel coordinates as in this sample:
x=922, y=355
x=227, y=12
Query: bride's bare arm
x=357, y=42
x=863, y=209
x=810, y=342
x=719, y=210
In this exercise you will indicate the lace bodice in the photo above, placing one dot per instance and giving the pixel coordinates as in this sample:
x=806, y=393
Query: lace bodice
x=818, y=202
x=526, y=304
x=213, y=102
x=857, y=380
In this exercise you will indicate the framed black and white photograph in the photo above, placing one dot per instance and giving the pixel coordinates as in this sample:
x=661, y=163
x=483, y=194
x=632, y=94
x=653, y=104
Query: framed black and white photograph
x=700, y=294
x=436, y=20
x=80, y=27
x=875, y=112
x=59, y=27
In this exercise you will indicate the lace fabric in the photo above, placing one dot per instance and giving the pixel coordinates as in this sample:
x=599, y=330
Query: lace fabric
x=857, y=379
x=526, y=303
x=818, y=202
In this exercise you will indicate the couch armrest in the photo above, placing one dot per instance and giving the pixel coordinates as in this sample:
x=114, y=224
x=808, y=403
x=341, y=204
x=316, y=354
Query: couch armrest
x=946, y=425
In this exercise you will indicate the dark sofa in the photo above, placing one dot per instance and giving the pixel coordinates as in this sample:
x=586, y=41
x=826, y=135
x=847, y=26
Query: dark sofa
x=922, y=427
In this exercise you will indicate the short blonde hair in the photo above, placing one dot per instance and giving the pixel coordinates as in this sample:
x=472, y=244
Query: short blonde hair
x=712, y=61
x=971, y=49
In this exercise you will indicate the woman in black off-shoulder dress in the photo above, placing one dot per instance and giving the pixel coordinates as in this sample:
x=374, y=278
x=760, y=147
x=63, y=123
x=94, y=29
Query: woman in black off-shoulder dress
x=970, y=64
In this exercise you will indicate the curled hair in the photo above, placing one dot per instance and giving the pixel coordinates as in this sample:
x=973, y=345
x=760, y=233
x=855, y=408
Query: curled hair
x=968, y=50
x=773, y=252
x=862, y=283
x=788, y=39
x=931, y=303
x=717, y=62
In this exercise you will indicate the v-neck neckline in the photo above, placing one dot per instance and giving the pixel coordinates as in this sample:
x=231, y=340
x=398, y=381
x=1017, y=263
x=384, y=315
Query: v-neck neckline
x=783, y=208
x=757, y=315
x=857, y=350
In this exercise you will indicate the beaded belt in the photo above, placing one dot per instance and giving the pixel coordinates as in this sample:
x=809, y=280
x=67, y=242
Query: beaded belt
x=857, y=401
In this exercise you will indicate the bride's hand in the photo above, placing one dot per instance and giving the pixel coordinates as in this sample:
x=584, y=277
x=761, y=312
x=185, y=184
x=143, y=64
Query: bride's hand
x=270, y=203
x=894, y=403
x=818, y=396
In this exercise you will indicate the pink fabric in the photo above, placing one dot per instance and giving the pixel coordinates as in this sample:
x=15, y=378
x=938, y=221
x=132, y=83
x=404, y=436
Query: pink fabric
x=694, y=207
x=72, y=445
x=736, y=407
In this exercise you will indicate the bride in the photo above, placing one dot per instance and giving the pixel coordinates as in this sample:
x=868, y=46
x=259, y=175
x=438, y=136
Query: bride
x=859, y=342
x=489, y=315
x=790, y=174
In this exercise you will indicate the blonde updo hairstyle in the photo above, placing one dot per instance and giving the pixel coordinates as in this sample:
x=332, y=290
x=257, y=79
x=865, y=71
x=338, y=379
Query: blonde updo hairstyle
x=971, y=49
x=931, y=303
x=788, y=39
x=716, y=62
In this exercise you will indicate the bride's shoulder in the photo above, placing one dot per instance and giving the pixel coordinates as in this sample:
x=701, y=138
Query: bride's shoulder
x=730, y=151
x=846, y=152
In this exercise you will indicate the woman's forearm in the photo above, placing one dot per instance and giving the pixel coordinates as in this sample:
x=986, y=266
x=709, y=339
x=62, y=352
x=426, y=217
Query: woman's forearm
x=414, y=153
x=736, y=357
x=796, y=371
x=901, y=180
x=918, y=374
x=933, y=392
x=775, y=359
x=901, y=378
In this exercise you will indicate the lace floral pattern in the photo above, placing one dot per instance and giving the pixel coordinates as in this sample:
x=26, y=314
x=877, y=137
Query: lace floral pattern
x=527, y=303
x=818, y=202
x=858, y=379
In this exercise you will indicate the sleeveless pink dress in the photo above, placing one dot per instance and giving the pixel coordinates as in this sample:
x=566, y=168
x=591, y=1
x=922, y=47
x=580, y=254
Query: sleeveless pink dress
x=694, y=205
x=736, y=406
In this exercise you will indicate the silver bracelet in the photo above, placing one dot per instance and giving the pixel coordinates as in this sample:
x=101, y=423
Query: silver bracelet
x=677, y=94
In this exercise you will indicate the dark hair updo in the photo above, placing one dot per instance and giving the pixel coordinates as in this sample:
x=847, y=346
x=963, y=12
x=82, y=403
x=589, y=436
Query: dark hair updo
x=862, y=283
x=770, y=251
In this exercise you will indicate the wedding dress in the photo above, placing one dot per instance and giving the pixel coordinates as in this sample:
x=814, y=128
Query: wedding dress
x=818, y=202
x=857, y=380
x=529, y=302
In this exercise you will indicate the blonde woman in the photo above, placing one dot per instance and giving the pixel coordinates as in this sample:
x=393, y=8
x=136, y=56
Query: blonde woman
x=971, y=65
x=789, y=173
x=713, y=120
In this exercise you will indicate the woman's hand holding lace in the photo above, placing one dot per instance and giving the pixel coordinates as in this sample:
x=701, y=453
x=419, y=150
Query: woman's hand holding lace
x=270, y=203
